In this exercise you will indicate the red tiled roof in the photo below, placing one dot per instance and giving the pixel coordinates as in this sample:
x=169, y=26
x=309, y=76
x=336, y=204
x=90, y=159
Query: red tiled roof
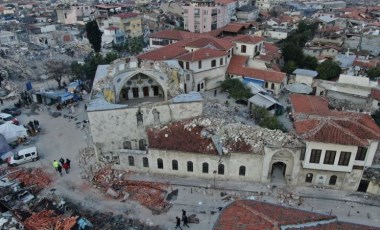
x=236, y=67
x=176, y=35
x=126, y=15
x=255, y=215
x=339, y=128
x=201, y=54
x=375, y=94
x=248, y=39
x=366, y=64
x=338, y=226
x=309, y=104
x=220, y=44
x=67, y=38
x=176, y=137
x=165, y=53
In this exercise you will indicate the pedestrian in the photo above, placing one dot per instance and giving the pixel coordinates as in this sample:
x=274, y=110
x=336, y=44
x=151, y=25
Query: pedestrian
x=215, y=93
x=62, y=161
x=66, y=167
x=183, y=213
x=178, y=223
x=1, y=101
x=185, y=221
x=59, y=170
x=68, y=162
x=55, y=165
x=85, y=107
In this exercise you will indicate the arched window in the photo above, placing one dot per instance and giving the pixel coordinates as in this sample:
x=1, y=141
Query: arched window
x=190, y=166
x=160, y=163
x=142, y=144
x=309, y=178
x=131, y=161
x=221, y=169
x=243, y=48
x=174, y=164
x=205, y=167
x=145, y=162
x=333, y=180
x=272, y=86
x=242, y=171
x=127, y=145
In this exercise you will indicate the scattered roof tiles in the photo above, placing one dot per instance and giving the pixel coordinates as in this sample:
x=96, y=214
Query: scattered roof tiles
x=236, y=67
x=250, y=215
x=375, y=94
x=366, y=64
x=309, y=104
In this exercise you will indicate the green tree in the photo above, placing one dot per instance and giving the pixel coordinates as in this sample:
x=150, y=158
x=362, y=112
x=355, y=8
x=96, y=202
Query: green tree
x=373, y=73
x=293, y=52
x=94, y=35
x=328, y=70
x=136, y=45
x=309, y=62
x=77, y=70
x=265, y=119
x=236, y=89
x=289, y=67
x=110, y=57
x=376, y=117
x=91, y=64
x=56, y=69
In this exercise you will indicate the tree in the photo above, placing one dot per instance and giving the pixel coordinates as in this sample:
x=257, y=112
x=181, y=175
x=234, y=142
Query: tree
x=376, y=117
x=56, y=70
x=328, y=70
x=293, y=52
x=373, y=73
x=236, y=89
x=110, y=57
x=136, y=45
x=309, y=62
x=77, y=70
x=289, y=67
x=94, y=35
x=265, y=119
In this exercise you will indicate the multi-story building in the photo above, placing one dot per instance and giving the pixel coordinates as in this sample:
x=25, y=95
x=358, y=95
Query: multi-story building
x=74, y=14
x=204, y=16
x=267, y=5
x=128, y=23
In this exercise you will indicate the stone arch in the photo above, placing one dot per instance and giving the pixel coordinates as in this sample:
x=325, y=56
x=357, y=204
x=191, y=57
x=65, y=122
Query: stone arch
x=122, y=82
x=282, y=157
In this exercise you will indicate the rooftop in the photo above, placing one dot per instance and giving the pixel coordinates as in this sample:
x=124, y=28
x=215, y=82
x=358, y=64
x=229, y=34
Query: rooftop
x=305, y=72
x=309, y=104
x=201, y=54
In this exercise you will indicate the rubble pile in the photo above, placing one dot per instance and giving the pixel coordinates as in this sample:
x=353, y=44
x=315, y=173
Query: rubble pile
x=341, y=104
x=256, y=137
x=48, y=219
x=114, y=183
x=213, y=109
x=35, y=177
x=287, y=197
x=8, y=221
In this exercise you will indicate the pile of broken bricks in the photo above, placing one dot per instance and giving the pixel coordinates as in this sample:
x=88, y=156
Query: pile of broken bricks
x=31, y=177
x=116, y=184
x=48, y=219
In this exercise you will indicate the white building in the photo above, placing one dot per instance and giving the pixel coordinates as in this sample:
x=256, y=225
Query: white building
x=305, y=76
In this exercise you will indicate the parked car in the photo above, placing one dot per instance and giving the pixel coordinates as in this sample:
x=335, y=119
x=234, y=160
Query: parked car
x=23, y=156
x=12, y=111
x=5, y=117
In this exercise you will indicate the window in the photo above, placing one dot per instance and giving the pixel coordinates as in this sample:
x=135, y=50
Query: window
x=242, y=171
x=309, y=178
x=221, y=61
x=28, y=155
x=315, y=156
x=361, y=154
x=145, y=162
x=160, y=163
x=243, y=49
x=213, y=63
x=199, y=64
x=221, y=169
x=139, y=118
x=266, y=84
x=142, y=144
x=302, y=155
x=329, y=157
x=187, y=65
x=190, y=166
x=174, y=164
x=205, y=167
x=332, y=180
x=131, y=161
x=202, y=85
x=272, y=86
x=344, y=158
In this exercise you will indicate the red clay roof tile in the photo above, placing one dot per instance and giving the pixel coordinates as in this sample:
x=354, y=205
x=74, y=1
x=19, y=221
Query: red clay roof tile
x=250, y=39
x=309, y=104
x=126, y=15
x=201, y=54
x=165, y=53
x=375, y=94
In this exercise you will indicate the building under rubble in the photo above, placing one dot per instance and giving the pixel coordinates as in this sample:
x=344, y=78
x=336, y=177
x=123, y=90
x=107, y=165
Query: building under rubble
x=142, y=121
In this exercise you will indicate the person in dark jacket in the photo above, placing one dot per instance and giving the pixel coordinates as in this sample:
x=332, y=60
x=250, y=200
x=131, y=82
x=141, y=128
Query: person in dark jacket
x=62, y=161
x=59, y=170
x=68, y=162
x=185, y=221
x=178, y=223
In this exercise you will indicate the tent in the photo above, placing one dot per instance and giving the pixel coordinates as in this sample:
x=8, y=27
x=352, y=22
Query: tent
x=4, y=147
x=11, y=132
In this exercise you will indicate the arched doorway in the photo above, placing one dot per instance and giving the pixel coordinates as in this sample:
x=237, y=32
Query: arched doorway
x=278, y=173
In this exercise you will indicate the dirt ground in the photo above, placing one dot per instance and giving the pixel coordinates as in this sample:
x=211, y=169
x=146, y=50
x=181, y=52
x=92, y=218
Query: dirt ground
x=60, y=137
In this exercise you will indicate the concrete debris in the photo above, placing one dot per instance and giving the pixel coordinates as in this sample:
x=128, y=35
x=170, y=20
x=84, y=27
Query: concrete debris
x=35, y=177
x=287, y=197
x=149, y=194
x=254, y=136
x=8, y=221
x=48, y=219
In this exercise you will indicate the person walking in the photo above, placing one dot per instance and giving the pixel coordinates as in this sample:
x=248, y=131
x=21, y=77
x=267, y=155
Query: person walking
x=66, y=167
x=68, y=162
x=185, y=221
x=178, y=223
x=1, y=101
x=55, y=165
x=183, y=213
x=59, y=170
x=62, y=161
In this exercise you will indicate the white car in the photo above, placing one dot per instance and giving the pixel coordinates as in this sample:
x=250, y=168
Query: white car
x=5, y=117
x=23, y=156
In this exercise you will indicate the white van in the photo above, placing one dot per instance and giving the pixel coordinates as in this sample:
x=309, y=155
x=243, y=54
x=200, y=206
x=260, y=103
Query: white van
x=23, y=156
